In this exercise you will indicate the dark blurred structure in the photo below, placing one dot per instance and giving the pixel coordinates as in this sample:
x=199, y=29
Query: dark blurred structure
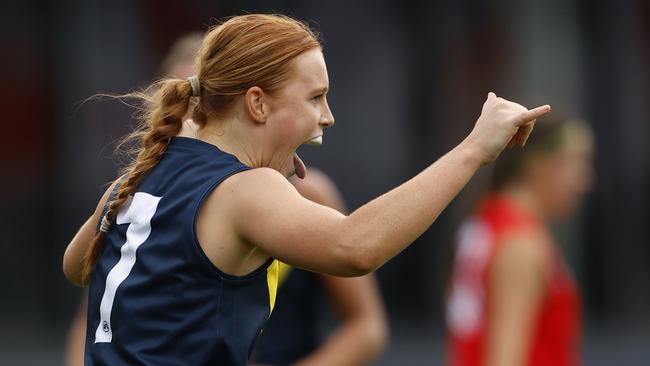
x=408, y=80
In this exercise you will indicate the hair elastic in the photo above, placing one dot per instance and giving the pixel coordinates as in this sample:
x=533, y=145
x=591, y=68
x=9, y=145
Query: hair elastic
x=196, y=86
x=106, y=224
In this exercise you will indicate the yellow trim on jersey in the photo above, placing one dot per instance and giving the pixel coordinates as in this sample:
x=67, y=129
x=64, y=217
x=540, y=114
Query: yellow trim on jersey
x=272, y=274
x=284, y=272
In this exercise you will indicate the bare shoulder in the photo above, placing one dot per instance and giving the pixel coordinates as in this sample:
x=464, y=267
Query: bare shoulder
x=257, y=174
x=240, y=204
x=260, y=208
x=255, y=182
x=522, y=252
x=254, y=191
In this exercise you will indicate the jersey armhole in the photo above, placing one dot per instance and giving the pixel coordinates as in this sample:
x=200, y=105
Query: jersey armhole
x=195, y=239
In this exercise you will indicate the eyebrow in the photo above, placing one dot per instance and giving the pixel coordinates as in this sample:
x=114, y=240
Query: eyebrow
x=322, y=90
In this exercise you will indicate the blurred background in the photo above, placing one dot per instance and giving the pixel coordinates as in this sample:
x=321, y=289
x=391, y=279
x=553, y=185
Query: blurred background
x=408, y=79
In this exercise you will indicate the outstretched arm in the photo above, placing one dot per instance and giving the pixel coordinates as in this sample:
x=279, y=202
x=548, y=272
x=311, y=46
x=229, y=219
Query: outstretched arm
x=268, y=212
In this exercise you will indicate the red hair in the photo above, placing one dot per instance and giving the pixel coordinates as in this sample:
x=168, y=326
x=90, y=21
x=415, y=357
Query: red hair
x=242, y=52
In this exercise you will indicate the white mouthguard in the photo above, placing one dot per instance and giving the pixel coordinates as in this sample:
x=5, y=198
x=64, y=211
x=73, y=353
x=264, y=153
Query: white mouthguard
x=318, y=140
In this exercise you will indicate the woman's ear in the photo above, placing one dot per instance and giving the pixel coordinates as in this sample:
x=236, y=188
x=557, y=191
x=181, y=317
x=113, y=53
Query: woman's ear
x=254, y=101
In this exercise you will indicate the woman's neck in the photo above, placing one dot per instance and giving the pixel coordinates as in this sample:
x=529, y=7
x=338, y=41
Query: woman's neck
x=221, y=134
x=525, y=199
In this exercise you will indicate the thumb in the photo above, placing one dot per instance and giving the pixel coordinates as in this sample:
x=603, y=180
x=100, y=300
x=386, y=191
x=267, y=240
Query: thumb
x=491, y=97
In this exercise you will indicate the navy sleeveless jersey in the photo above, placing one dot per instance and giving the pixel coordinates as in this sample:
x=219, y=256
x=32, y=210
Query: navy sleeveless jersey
x=154, y=297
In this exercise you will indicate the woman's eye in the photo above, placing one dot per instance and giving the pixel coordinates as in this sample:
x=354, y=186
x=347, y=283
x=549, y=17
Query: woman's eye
x=317, y=97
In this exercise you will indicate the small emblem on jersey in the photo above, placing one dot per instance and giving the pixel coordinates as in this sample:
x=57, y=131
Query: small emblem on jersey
x=105, y=327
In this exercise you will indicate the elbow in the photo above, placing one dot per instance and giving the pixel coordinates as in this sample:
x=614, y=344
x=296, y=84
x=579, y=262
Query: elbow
x=377, y=336
x=72, y=277
x=359, y=260
x=71, y=272
x=362, y=264
x=373, y=335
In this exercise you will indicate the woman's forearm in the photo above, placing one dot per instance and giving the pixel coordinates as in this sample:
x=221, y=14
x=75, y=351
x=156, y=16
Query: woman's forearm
x=386, y=225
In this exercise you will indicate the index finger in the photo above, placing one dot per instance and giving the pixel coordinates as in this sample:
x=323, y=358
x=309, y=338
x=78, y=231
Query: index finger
x=532, y=114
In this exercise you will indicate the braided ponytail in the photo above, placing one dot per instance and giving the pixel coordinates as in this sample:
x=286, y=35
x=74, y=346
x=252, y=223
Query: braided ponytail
x=242, y=52
x=163, y=106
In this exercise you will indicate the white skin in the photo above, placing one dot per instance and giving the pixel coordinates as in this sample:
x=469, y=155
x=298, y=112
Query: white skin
x=257, y=214
x=266, y=130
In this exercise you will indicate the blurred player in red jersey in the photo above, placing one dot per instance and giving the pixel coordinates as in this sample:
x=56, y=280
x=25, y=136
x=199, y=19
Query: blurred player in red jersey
x=513, y=300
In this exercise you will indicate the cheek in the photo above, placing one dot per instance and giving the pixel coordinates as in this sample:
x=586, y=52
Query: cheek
x=579, y=175
x=572, y=185
x=557, y=186
x=566, y=181
x=585, y=174
x=285, y=123
x=555, y=182
x=557, y=196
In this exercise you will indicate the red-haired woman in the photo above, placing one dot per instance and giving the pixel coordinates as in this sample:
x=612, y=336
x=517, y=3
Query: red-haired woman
x=180, y=252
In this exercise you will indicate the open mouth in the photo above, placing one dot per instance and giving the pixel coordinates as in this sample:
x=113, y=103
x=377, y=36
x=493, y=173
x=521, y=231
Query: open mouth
x=317, y=140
